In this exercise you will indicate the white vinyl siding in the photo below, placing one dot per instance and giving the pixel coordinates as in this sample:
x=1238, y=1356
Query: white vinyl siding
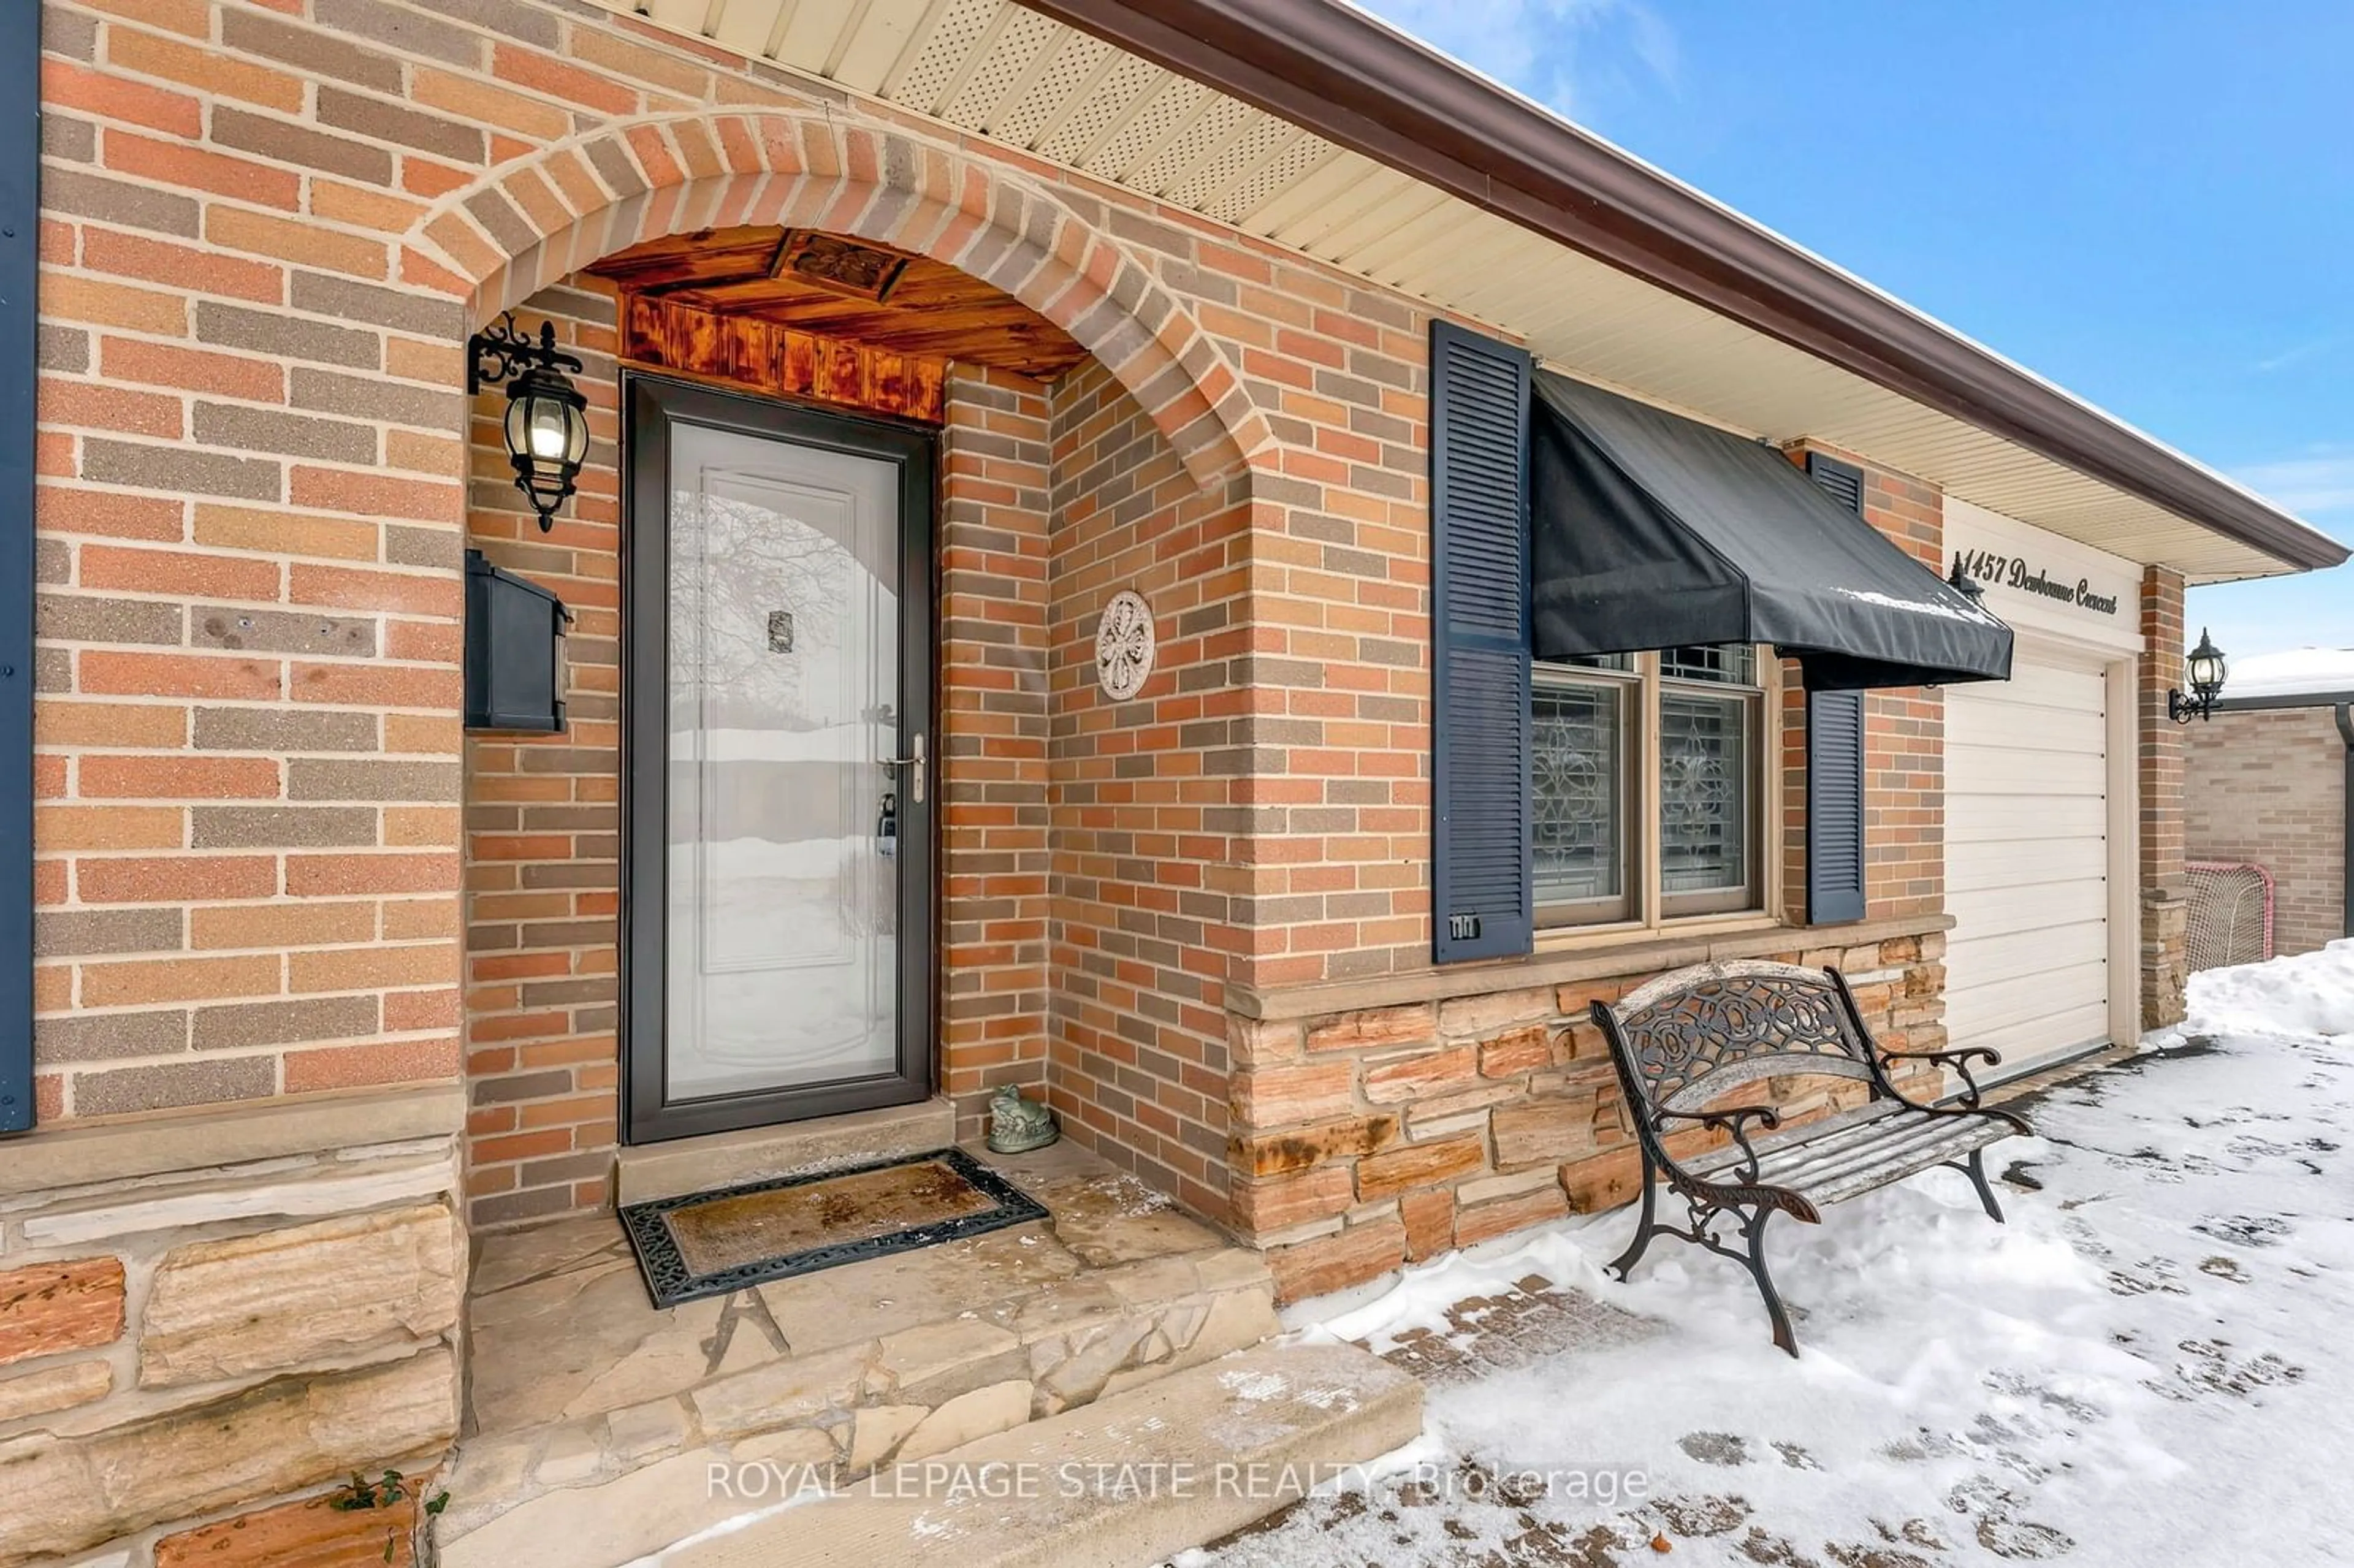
x=2026, y=864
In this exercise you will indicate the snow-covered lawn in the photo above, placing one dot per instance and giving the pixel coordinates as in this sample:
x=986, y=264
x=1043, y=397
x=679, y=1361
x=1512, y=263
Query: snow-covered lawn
x=2153, y=1362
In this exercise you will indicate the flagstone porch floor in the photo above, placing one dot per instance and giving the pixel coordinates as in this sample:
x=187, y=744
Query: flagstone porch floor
x=584, y=1401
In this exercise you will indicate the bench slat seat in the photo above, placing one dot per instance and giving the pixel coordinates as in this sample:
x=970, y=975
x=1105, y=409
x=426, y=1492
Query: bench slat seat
x=1856, y=1150
x=1686, y=1042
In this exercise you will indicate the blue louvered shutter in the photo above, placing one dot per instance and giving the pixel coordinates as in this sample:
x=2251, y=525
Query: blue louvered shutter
x=1834, y=807
x=1835, y=762
x=1479, y=636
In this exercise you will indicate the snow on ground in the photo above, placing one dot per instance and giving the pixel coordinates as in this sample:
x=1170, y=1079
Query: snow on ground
x=2151, y=1364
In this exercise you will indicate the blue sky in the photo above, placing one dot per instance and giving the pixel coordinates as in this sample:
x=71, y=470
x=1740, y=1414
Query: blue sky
x=2152, y=205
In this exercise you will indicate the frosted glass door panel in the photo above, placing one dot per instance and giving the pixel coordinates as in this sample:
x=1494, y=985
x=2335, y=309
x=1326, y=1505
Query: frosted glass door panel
x=782, y=924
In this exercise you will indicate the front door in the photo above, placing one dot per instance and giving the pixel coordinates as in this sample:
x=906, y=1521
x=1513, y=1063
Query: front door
x=777, y=912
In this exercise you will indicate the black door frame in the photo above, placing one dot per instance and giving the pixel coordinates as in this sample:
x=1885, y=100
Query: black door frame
x=650, y=405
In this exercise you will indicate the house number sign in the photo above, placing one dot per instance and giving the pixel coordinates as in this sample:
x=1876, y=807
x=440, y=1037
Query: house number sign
x=2013, y=572
x=1124, y=646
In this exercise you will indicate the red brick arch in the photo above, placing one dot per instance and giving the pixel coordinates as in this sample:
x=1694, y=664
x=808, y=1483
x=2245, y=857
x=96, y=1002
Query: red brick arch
x=538, y=219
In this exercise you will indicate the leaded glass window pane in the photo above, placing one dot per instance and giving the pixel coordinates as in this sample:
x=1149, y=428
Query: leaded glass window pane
x=1577, y=769
x=1703, y=794
x=1722, y=663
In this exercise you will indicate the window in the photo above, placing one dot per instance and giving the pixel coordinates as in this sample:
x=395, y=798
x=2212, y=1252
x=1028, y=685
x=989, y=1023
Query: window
x=1645, y=770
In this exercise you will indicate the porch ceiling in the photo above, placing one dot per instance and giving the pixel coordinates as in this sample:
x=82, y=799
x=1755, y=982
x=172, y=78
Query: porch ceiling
x=997, y=70
x=910, y=304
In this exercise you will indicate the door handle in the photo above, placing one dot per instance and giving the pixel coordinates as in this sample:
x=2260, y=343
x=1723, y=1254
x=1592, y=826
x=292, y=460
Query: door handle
x=914, y=763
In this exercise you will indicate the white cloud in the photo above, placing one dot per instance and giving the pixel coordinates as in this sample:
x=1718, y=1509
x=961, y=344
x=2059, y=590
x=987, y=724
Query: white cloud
x=1558, y=51
x=2293, y=355
x=2316, y=485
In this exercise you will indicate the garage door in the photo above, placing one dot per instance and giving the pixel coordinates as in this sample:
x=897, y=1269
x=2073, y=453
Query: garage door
x=2026, y=864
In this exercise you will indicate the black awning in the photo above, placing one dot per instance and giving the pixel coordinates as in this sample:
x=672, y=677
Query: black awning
x=1653, y=531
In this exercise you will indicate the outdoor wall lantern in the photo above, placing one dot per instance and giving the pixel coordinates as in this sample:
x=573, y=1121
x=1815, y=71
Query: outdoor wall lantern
x=547, y=419
x=1962, y=583
x=2206, y=668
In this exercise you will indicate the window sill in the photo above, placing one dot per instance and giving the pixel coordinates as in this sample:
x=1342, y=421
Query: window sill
x=1591, y=938
x=1575, y=957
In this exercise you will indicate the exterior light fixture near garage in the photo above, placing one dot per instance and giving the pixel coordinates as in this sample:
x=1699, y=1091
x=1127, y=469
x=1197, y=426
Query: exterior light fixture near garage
x=1962, y=583
x=546, y=423
x=2206, y=668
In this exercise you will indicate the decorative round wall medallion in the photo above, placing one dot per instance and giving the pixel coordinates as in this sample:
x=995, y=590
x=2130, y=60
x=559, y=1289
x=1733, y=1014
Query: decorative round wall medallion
x=1124, y=646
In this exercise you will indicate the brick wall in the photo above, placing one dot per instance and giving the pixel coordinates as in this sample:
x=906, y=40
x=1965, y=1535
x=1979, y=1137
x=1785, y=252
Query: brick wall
x=2268, y=787
x=1904, y=736
x=1145, y=795
x=543, y=814
x=248, y=512
x=993, y=771
x=543, y=827
x=267, y=233
x=2164, y=915
x=1336, y=807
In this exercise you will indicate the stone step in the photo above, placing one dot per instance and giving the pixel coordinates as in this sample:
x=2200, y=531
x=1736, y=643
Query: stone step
x=895, y=1359
x=650, y=1171
x=1124, y=1482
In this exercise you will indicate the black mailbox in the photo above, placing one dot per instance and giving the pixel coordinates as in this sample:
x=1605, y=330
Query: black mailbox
x=515, y=651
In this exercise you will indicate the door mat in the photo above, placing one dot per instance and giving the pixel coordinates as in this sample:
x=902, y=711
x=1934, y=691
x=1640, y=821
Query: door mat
x=708, y=1243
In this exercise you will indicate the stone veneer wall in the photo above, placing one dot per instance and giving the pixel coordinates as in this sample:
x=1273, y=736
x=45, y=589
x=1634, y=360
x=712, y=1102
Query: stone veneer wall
x=1369, y=1137
x=2267, y=786
x=189, y=1359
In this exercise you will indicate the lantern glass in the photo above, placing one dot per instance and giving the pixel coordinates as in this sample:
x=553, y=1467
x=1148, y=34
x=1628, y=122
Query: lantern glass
x=2208, y=668
x=546, y=429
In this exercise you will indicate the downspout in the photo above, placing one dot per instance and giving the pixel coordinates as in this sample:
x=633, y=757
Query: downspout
x=2346, y=849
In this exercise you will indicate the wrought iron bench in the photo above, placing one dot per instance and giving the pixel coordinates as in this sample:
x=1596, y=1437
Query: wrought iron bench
x=1684, y=1040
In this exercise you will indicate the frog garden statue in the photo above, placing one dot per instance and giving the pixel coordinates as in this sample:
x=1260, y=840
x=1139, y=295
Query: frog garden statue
x=1016, y=1125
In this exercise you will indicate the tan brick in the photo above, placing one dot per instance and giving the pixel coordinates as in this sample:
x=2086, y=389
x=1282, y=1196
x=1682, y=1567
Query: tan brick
x=132, y=983
x=149, y=54
x=362, y=1066
x=293, y=534
x=371, y=968
x=68, y=297
x=277, y=926
x=295, y=239
x=58, y=828
x=174, y=878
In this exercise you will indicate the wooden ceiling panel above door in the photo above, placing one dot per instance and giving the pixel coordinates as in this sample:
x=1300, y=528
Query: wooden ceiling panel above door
x=848, y=290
